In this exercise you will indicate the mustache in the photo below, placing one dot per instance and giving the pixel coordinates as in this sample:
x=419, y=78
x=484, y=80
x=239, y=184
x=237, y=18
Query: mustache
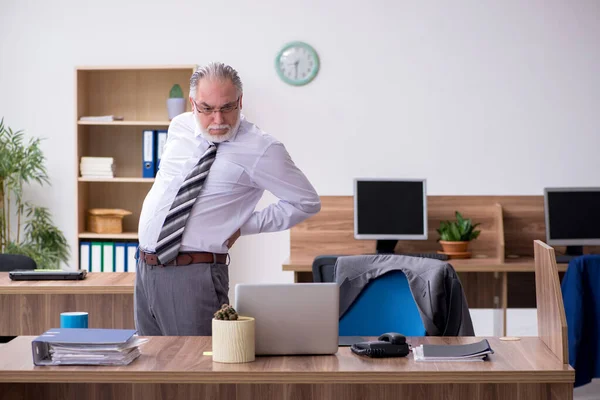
x=217, y=126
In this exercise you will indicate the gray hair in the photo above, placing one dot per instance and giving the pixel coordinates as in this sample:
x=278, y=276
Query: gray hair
x=215, y=70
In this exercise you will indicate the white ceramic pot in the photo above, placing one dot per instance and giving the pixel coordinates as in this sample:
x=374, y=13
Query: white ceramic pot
x=175, y=106
x=233, y=341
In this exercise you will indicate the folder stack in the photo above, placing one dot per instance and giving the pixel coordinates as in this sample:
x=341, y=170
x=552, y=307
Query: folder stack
x=74, y=346
x=478, y=351
x=97, y=167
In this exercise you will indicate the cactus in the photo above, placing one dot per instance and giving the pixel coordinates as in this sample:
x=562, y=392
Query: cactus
x=226, y=313
x=176, y=92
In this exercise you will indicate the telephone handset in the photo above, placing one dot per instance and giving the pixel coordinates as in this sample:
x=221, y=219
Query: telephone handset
x=387, y=345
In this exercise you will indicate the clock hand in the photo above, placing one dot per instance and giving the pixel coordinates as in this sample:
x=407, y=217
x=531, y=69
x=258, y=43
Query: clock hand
x=296, y=66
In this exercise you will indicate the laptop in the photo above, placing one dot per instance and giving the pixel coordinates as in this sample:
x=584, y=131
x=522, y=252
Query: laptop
x=291, y=318
x=46, y=275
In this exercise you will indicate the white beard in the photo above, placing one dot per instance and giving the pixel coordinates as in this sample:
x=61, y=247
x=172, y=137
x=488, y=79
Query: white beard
x=218, y=138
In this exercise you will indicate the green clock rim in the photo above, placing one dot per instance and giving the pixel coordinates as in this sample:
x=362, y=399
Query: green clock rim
x=310, y=77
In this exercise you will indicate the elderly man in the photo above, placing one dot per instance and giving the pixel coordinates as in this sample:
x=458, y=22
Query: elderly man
x=214, y=169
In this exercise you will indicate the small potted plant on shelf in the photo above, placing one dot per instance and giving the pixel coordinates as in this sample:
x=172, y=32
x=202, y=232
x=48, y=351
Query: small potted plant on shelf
x=232, y=336
x=175, y=102
x=456, y=235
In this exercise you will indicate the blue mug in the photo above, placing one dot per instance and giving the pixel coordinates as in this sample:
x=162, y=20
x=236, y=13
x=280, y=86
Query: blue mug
x=74, y=320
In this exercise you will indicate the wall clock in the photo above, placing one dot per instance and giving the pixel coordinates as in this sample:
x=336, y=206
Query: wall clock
x=297, y=63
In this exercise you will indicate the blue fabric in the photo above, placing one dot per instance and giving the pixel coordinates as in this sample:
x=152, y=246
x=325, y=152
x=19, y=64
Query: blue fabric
x=386, y=304
x=581, y=296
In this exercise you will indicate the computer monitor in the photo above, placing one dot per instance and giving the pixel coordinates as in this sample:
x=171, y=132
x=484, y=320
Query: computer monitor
x=389, y=210
x=572, y=219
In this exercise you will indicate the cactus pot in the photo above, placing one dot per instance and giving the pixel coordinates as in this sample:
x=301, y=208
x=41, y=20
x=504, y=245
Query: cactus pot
x=233, y=341
x=175, y=106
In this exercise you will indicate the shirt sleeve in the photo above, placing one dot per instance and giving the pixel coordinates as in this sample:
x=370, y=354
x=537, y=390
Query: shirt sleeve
x=276, y=172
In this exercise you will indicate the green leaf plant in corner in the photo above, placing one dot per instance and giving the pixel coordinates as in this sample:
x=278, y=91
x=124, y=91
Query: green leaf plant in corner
x=26, y=229
x=461, y=230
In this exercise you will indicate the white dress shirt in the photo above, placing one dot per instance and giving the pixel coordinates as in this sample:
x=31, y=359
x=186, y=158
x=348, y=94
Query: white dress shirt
x=246, y=165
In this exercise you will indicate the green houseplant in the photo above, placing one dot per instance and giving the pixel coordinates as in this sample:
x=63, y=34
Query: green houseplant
x=456, y=235
x=175, y=102
x=26, y=229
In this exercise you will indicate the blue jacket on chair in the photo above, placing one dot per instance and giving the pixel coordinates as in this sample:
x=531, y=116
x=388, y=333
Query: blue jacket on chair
x=581, y=297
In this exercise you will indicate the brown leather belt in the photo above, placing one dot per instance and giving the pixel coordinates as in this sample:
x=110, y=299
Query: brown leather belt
x=185, y=259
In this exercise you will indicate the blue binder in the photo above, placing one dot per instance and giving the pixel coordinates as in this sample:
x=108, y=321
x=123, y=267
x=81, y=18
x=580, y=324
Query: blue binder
x=148, y=153
x=161, y=140
x=79, y=337
x=131, y=261
x=85, y=256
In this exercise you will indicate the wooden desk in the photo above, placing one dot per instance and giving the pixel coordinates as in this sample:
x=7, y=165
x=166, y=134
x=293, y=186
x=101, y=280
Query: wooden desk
x=174, y=367
x=32, y=307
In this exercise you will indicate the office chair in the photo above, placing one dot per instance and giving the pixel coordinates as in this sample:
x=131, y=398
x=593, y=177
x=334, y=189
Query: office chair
x=11, y=262
x=386, y=304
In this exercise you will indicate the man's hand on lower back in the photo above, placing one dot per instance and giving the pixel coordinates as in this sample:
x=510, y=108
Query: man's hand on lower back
x=233, y=238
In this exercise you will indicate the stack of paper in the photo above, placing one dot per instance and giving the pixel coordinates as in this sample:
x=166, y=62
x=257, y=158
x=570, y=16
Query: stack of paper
x=97, y=167
x=101, y=118
x=461, y=352
x=86, y=347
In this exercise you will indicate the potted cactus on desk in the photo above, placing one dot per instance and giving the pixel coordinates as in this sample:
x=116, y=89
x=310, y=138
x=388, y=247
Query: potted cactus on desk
x=232, y=336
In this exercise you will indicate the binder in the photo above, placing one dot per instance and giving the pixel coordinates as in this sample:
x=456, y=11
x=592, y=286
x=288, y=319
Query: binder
x=78, y=346
x=120, y=257
x=131, y=261
x=108, y=252
x=85, y=256
x=96, y=257
x=161, y=140
x=148, y=154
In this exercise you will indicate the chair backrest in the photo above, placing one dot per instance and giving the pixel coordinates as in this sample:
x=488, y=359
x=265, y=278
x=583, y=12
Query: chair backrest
x=386, y=304
x=11, y=262
x=552, y=322
x=322, y=268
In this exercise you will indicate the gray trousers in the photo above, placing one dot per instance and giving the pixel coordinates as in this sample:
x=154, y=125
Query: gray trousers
x=179, y=300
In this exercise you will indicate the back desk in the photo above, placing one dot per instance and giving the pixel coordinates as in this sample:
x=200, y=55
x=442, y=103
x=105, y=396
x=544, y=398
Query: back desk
x=500, y=272
x=32, y=307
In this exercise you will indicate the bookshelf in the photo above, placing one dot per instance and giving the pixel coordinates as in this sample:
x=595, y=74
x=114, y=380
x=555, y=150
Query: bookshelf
x=139, y=95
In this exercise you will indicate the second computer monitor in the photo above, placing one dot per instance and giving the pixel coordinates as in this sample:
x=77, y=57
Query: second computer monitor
x=389, y=210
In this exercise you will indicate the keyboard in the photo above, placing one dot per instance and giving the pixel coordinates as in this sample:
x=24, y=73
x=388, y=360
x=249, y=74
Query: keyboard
x=435, y=256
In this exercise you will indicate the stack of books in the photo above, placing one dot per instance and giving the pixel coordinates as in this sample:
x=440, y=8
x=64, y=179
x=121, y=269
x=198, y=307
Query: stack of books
x=74, y=346
x=97, y=167
x=101, y=118
x=457, y=352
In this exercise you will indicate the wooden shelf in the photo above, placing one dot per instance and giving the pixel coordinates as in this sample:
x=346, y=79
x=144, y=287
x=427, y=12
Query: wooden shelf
x=126, y=123
x=139, y=94
x=124, y=235
x=117, y=180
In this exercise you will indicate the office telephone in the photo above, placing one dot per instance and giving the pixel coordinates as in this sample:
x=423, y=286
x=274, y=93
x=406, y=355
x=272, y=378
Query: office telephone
x=387, y=345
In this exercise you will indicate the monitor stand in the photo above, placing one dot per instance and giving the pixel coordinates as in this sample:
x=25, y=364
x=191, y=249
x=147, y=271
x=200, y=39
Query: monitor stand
x=386, y=246
x=570, y=253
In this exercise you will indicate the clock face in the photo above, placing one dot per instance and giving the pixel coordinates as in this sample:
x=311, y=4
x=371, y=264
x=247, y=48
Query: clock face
x=297, y=63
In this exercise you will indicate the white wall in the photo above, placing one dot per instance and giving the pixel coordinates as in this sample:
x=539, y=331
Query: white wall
x=478, y=97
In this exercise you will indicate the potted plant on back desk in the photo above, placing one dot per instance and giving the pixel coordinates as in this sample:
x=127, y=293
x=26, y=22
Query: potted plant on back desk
x=25, y=229
x=456, y=235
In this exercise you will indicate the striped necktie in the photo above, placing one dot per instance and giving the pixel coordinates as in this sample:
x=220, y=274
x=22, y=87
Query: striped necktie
x=171, y=233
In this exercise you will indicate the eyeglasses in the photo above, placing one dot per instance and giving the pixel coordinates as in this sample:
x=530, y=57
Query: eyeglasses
x=223, y=110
